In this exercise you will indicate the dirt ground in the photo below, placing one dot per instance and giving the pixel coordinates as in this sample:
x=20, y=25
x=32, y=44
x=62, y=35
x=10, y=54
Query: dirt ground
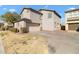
x=19, y=43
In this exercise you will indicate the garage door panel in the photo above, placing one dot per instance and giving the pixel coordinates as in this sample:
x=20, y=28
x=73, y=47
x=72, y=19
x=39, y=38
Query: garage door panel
x=73, y=26
x=35, y=28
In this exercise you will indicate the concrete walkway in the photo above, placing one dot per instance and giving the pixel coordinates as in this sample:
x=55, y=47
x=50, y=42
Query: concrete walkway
x=60, y=42
x=1, y=47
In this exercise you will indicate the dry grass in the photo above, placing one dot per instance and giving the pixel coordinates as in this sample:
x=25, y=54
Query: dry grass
x=24, y=43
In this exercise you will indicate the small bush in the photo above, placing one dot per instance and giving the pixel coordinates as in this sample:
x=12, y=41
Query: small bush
x=14, y=30
x=2, y=34
x=6, y=28
x=23, y=30
x=2, y=28
x=77, y=30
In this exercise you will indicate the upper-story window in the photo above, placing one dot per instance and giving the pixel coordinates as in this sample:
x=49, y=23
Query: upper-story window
x=49, y=15
x=77, y=14
x=27, y=11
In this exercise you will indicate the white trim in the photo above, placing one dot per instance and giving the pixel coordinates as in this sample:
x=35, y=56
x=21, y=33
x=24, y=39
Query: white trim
x=72, y=22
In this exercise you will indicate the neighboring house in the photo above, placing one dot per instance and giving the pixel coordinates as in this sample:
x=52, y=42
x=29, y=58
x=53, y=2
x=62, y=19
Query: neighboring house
x=72, y=19
x=30, y=19
x=1, y=24
x=50, y=20
x=6, y=24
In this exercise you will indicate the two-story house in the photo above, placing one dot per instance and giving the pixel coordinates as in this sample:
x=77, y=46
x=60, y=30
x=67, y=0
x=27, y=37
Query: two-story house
x=72, y=19
x=30, y=19
x=35, y=20
x=50, y=20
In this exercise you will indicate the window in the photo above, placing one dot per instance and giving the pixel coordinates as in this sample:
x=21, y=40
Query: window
x=27, y=11
x=77, y=13
x=49, y=15
x=54, y=24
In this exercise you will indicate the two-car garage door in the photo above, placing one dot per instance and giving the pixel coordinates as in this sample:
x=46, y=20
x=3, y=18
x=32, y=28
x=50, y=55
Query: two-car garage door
x=33, y=27
x=73, y=26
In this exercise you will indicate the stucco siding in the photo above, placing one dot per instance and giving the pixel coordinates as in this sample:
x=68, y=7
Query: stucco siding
x=26, y=14
x=52, y=23
x=48, y=21
x=16, y=25
x=47, y=24
x=22, y=24
x=35, y=17
x=57, y=22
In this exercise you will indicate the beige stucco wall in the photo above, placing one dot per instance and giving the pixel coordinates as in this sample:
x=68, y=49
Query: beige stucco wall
x=57, y=22
x=20, y=24
x=25, y=14
x=49, y=23
x=16, y=25
x=35, y=17
x=29, y=26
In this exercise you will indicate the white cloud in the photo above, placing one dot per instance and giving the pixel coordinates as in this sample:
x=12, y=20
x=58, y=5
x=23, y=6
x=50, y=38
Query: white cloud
x=4, y=8
x=45, y=7
x=12, y=10
x=71, y=8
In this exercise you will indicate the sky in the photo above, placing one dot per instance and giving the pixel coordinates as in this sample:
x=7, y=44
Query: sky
x=18, y=8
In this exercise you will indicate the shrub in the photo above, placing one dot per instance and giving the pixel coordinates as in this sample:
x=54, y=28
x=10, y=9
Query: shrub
x=6, y=28
x=2, y=28
x=2, y=34
x=77, y=29
x=14, y=30
x=23, y=30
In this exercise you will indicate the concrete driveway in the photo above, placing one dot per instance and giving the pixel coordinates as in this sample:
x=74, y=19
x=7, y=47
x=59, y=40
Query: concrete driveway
x=62, y=42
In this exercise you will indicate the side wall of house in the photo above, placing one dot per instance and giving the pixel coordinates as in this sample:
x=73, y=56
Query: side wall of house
x=34, y=17
x=25, y=14
x=20, y=24
x=47, y=23
x=50, y=24
x=57, y=22
x=16, y=25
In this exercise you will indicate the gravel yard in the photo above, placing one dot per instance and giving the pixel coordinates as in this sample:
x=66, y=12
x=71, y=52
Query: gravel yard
x=17, y=43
